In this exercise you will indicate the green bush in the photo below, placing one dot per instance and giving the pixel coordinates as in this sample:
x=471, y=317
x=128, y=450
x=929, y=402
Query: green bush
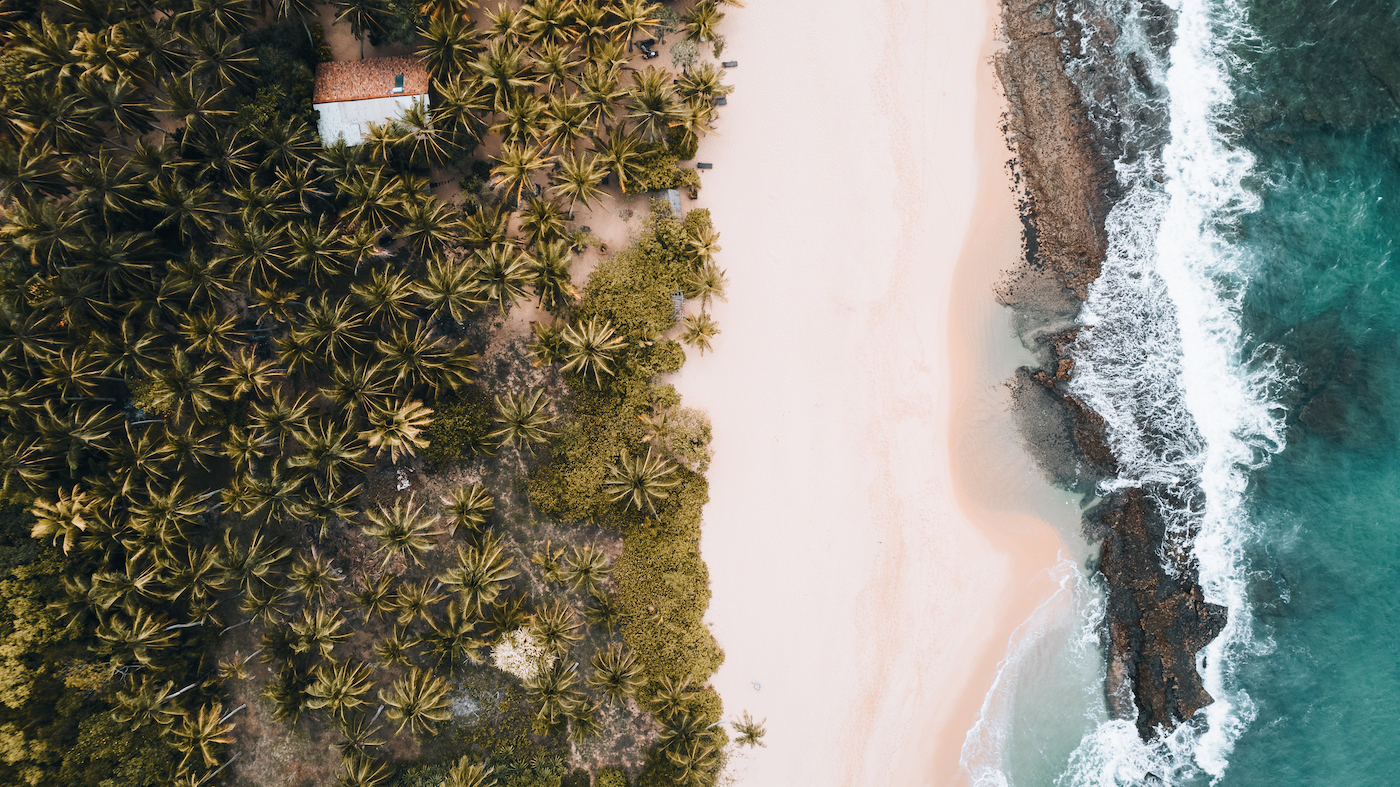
x=660, y=169
x=397, y=22
x=282, y=78
x=611, y=777
x=460, y=424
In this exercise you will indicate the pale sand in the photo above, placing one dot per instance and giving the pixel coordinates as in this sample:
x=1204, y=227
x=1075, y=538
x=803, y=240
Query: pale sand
x=869, y=534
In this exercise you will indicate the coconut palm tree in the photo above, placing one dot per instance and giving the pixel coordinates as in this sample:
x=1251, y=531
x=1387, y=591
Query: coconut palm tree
x=671, y=697
x=750, y=732
x=501, y=275
x=616, y=673
x=360, y=15
x=523, y=121
x=253, y=563
x=395, y=648
x=63, y=519
x=583, y=721
x=557, y=627
x=706, y=283
x=361, y=734
x=578, y=178
x=634, y=17
x=704, y=80
x=700, y=21
x=330, y=449
x=449, y=43
x=541, y=221
x=313, y=577
x=401, y=530
x=360, y=769
x=699, y=331
x=201, y=733
x=555, y=64
x=416, y=601
x=417, y=700
x=516, y=165
x=429, y=226
x=640, y=482
x=585, y=567
x=448, y=290
x=318, y=631
x=652, y=105
x=398, y=428
x=451, y=639
x=680, y=730
x=604, y=613
x=505, y=72
x=279, y=419
x=482, y=573
x=696, y=763
x=467, y=507
x=523, y=418
x=374, y=596
x=340, y=686
x=386, y=297
x=591, y=349
x=466, y=773
x=149, y=702
x=555, y=692
x=621, y=152
x=553, y=282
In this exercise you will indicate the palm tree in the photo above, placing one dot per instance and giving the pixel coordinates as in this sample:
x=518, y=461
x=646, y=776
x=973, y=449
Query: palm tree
x=501, y=274
x=395, y=648
x=652, y=103
x=515, y=166
x=522, y=121
x=416, y=601
x=317, y=631
x=401, y=530
x=373, y=596
x=329, y=449
x=553, y=283
x=360, y=734
x=340, y=686
x=149, y=702
x=680, y=730
x=541, y=221
x=428, y=226
x=700, y=21
x=750, y=732
x=187, y=387
x=467, y=507
x=699, y=331
x=505, y=71
x=555, y=64
x=465, y=773
x=604, y=613
x=360, y=15
x=448, y=290
x=696, y=763
x=622, y=153
x=555, y=691
x=671, y=697
x=358, y=386
x=591, y=349
x=63, y=519
x=705, y=283
x=417, y=700
x=557, y=627
x=482, y=573
x=279, y=419
x=640, y=482
x=585, y=567
x=704, y=80
x=583, y=721
x=599, y=91
x=202, y=733
x=252, y=563
x=703, y=243
x=360, y=769
x=634, y=17
x=523, y=417
x=451, y=638
x=386, y=297
x=398, y=427
x=578, y=178
x=448, y=46
x=616, y=673
x=313, y=577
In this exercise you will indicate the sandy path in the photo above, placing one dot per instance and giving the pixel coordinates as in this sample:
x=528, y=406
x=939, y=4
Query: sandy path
x=862, y=611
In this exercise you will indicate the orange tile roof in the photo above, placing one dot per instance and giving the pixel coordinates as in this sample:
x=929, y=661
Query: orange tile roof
x=352, y=80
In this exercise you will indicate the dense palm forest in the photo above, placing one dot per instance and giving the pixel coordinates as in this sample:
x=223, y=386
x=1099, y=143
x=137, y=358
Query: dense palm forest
x=287, y=502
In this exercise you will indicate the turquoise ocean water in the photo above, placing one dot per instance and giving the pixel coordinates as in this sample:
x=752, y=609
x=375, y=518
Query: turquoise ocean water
x=1245, y=346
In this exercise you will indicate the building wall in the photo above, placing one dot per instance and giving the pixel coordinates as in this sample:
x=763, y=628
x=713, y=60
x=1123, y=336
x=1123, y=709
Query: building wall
x=351, y=119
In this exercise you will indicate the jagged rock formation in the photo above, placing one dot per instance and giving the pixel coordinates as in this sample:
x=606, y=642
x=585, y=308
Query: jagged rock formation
x=1157, y=619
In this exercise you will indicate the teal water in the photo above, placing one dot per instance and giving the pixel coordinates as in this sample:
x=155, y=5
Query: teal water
x=1318, y=111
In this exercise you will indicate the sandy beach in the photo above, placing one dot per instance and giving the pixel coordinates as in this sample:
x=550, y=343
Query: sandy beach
x=870, y=536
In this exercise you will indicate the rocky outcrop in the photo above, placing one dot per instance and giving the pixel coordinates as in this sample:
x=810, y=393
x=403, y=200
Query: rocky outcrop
x=1156, y=619
x=1067, y=181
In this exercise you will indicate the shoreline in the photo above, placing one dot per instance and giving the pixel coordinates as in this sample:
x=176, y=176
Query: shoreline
x=837, y=439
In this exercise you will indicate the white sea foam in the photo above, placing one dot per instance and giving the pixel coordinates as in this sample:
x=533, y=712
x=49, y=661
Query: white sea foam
x=1188, y=417
x=1162, y=363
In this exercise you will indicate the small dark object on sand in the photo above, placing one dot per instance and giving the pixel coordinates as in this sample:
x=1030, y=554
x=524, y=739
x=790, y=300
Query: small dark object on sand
x=730, y=64
x=704, y=165
x=721, y=101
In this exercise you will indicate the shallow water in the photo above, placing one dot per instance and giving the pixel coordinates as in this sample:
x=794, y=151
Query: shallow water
x=1247, y=347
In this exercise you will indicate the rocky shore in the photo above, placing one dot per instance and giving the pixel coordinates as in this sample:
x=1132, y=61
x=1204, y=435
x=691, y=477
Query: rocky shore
x=1156, y=618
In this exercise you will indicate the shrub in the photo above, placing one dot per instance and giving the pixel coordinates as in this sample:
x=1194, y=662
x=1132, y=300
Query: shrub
x=460, y=424
x=611, y=777
x=683, y=53
x=283, y=77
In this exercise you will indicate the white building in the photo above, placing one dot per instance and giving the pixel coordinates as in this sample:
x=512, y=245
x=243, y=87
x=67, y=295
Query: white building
x=351, y=94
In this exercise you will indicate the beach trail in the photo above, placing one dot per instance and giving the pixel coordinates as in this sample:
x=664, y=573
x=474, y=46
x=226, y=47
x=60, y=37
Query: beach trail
x=869, y=545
